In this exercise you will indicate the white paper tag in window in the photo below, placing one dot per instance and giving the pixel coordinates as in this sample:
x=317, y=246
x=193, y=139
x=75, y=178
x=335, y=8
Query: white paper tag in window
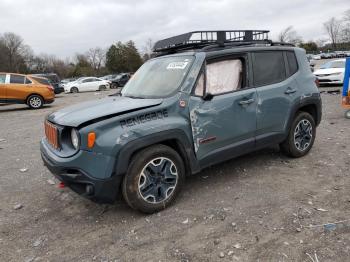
x=177, y=65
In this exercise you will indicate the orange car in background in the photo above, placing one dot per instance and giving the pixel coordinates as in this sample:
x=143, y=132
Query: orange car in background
x=25, y=89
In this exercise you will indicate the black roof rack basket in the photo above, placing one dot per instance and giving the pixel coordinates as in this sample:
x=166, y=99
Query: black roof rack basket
x=199, y=39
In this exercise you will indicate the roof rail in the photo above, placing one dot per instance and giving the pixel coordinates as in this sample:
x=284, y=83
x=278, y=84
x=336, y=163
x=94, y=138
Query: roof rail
x=200, y=39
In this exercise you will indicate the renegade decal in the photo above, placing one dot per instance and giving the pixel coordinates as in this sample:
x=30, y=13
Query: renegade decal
x=144, y=118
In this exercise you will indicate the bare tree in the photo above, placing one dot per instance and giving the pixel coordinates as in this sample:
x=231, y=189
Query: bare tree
x=346, y=26
x=147, y=50
x=289, y=35
x=333, y=29
x=96, y=57
x=16, y=53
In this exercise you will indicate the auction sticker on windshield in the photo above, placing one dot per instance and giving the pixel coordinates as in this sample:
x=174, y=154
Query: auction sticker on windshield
x=177, y=65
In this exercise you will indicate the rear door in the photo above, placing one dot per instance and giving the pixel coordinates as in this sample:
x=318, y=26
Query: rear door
x=2, y=88
x=277, y=91
x=95, y=84
x=16, y=90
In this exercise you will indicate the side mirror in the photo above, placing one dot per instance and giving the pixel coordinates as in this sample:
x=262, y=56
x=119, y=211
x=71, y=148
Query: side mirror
x=208, y=96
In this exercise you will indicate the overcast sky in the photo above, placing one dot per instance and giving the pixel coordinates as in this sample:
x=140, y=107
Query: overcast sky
x=65, y=27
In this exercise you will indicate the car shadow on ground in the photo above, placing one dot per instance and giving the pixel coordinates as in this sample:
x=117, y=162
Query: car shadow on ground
x=9, y=108
x=223, y=173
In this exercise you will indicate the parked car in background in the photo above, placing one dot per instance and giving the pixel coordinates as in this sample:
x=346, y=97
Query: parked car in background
x=317, y=57
x=120, y=80
x=86, y=84
x=25, y=89
x=331, y=72
x=67, y=80
x=109, y=77
x=54, y=81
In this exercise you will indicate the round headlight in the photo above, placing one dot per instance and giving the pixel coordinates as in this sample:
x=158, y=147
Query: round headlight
x=74, y=134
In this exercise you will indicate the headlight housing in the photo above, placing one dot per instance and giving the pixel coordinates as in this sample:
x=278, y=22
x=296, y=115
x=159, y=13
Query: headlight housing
x=75, y=138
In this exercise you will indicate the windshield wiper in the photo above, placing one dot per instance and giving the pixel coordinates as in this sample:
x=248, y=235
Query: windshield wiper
x=136, y=97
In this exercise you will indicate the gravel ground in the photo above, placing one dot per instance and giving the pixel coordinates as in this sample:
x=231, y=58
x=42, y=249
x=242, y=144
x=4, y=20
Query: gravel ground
x=259, y=207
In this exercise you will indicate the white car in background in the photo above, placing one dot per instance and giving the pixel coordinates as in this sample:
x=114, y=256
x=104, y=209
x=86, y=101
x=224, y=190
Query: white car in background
x=331, y=72
x=84, y=84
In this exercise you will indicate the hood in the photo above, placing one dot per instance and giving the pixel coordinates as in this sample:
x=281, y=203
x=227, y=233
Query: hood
x=103, y=108
x=328, y=71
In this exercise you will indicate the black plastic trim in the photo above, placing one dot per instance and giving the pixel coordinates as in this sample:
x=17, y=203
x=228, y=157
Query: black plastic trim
x=187, y=152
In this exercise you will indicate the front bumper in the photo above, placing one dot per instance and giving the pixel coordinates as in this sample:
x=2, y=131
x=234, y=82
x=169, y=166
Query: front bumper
x=59, y=90
x=79, y=180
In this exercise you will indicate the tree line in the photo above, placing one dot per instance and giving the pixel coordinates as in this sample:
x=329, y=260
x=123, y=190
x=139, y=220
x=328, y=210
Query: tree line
x=337, y=30
x=16, y=56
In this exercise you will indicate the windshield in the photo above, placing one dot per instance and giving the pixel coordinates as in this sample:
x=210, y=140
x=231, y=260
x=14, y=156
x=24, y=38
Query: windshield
x=333, y=64
x=158, y=78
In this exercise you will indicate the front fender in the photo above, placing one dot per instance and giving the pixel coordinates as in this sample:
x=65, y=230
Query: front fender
x=179, y=136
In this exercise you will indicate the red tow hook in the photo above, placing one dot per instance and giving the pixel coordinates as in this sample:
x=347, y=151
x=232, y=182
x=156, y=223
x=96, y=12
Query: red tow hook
x=61, y=185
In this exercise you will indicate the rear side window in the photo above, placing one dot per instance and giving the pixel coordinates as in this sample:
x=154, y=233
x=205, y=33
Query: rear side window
x=42, y=81
x=292, y=63
x=268, y=68
x=2, y=78
x=17, y=79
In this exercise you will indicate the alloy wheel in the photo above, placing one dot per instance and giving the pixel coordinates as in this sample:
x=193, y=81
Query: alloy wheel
x=35, y=102
x=158, y=180
x=303, y=135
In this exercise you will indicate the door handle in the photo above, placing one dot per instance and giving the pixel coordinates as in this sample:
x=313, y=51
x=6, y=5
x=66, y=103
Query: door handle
x=290, y=91
x=246, y=102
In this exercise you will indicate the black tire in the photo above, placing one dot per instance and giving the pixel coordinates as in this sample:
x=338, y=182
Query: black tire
x=114, y=86
x=74, y=90
x=135, y=195
x=35, y=101
x=102, y=88
x=347, y=114
x=300, y=141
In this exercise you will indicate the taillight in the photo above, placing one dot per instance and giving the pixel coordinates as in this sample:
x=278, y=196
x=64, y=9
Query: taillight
x=317, y=82
x=50, y=88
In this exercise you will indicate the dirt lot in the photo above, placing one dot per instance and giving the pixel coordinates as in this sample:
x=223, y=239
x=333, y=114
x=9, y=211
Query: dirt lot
x=260, y=207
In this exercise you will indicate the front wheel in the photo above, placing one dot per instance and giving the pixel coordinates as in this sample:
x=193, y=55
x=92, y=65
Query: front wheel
x=301, y=136
x=35, y=101
x=154, y=178
x=74, y=90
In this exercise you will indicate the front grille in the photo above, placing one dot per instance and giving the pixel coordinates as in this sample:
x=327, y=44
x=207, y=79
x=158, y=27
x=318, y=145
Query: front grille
x=51, y=133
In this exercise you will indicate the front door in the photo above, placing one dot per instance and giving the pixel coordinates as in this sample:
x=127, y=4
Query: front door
x=224, y=125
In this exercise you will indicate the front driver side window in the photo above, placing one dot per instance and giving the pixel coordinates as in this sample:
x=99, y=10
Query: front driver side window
x=224, y=76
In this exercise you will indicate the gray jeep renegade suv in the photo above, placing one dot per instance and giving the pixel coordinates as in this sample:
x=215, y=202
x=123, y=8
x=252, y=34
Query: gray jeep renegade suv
x=207, y=97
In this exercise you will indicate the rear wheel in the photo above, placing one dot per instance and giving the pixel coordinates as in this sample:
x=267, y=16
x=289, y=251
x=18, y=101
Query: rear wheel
x=347, y=114
x=154, y=178
x=35, y=101
x=114, y=85
x=301, y=136
x=74, y=90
